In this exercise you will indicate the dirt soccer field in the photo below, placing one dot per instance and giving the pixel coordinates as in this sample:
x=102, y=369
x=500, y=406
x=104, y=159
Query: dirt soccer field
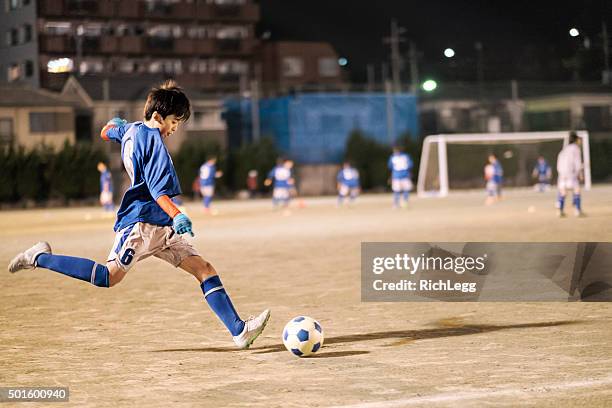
x=152, y=341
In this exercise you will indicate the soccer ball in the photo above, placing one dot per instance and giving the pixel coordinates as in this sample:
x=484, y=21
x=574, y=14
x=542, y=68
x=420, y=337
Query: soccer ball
x=303, y=336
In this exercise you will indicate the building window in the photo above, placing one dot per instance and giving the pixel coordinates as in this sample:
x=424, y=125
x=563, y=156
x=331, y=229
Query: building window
x=12, y=37
x=60, y=65
x=28, y=69
x=328, y=67
x=58, y=28
x=13, y=72
x=27, y=33
x=232, y=32
x=6, y=131
x=292, y=67
x=50, y=122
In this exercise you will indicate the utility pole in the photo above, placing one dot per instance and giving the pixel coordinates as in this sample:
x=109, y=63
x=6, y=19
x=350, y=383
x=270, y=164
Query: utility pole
x=414, y=69
x=396, y=60
x=370, y=72
x=607, y=76
x=480, y=70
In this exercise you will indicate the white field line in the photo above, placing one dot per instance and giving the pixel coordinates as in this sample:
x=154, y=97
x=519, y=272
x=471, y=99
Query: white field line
x=450, y=397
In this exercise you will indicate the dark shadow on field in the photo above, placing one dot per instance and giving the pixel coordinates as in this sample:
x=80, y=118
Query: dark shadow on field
x=403, y=337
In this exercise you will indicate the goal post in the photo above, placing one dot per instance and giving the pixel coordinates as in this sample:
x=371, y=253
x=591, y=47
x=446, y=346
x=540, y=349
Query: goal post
x=517, y=152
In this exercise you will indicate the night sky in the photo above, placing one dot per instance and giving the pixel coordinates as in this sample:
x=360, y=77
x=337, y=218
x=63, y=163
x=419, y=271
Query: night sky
x=525, y=40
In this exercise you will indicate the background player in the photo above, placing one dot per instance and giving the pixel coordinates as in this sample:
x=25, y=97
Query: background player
x=208, y=174
x=543, y=174
x=493, y=173
x=348, y=183
x=569, y=169
x=400, y=164
x=106, y=187
x=281, y=177
x=148, y=223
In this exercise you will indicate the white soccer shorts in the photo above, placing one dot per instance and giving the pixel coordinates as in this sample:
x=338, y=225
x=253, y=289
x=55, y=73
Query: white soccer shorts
x=568, y=182
x=207, y=191
x=398, y=185
x=280, y=193
x=141, y=240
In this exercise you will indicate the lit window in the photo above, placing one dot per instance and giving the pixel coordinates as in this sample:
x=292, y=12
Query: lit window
x=60, y=65
x=14, y=72
x=292, y=66
x=58, y=28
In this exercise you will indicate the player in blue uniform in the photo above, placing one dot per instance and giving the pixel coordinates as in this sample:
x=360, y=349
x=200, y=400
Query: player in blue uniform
x=106, y=188
x=148, y=222
x=494, y=176
x=348, y=183
x=281, y=177
x=400, y=164
x=542, y=172
x=208, y=174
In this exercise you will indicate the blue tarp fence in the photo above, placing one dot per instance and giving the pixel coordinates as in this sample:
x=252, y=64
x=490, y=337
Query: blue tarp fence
x=314, y=128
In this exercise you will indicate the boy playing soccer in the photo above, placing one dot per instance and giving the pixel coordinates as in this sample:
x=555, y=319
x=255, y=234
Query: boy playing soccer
x=493, y=174
x=281, y=178
x=348, y=183
x=400, y=164
x=570, y=174
x=208, y=174
x=148, y=222
x=106, y=188
x=543, y=174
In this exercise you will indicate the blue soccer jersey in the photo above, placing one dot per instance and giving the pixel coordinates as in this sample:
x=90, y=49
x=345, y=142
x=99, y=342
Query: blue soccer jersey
x=400, y=165
x=348, y=177
x=542, y=169
x=498, y=172
x=106, y=181
x=281, y=177
x=207, y=175
x=151, y=170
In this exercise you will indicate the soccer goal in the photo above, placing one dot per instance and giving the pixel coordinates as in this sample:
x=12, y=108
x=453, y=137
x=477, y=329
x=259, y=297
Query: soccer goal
x=456, y=161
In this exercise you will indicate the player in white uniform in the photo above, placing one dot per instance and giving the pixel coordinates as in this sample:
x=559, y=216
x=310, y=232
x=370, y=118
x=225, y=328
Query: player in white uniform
x=569, y=169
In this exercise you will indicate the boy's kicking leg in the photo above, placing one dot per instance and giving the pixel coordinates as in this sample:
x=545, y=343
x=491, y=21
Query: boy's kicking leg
x=40, y=255
x=243, y=332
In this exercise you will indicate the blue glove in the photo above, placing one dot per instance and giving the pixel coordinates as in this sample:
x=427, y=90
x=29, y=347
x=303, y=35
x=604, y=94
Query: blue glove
x=117, y=122
x=182, y=224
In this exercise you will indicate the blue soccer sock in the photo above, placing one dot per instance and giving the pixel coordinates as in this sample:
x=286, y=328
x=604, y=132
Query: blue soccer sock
x=219, y=301
x=79, y=268
x=577, y=201
x=340, y=199
x=561, y=201
x=406, y=194
x=207, y=201
x=396, y=199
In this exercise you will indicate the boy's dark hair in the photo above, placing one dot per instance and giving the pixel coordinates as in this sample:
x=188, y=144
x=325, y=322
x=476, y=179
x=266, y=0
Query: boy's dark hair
x=167, y=100
x=573, y=137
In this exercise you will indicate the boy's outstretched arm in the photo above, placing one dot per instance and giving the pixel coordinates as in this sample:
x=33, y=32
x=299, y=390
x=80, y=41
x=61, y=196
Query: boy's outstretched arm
x=114, y=130
x=180, y=222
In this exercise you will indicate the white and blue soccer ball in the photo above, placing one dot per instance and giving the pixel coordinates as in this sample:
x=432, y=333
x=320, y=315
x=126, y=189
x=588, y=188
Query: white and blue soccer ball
x=303, y=336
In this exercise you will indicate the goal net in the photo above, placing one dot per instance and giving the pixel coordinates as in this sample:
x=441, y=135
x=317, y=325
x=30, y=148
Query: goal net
x=456, y=161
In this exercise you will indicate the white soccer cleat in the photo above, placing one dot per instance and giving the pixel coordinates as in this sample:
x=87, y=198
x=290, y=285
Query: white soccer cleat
x=253, y=327
x=27, y=258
